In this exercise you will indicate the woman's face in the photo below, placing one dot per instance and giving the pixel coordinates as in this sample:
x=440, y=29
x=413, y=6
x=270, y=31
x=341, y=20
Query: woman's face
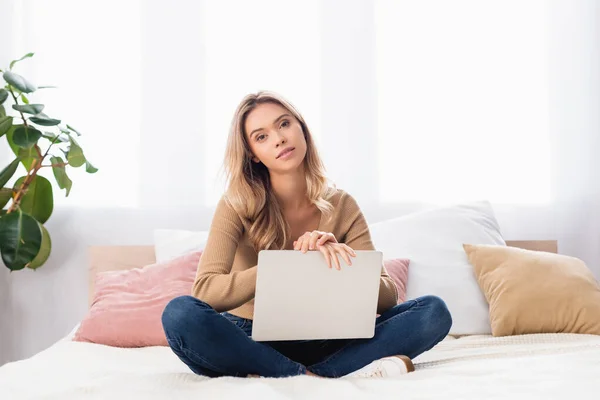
x=270, y=130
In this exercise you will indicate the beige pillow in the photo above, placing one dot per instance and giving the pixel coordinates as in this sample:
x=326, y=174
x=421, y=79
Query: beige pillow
x=536, y=292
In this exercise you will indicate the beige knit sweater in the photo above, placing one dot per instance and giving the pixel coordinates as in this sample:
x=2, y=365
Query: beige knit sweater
x=226, y=276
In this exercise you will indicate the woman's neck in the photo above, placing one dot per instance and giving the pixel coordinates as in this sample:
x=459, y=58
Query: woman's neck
x=290, y=190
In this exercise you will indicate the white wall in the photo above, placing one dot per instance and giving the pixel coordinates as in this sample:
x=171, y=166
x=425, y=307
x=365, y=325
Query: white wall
x=6, y=328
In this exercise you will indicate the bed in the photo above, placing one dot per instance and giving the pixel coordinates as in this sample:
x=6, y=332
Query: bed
x=535, y=366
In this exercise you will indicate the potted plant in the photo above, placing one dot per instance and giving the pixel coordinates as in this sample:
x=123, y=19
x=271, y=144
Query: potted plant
x=39, y=143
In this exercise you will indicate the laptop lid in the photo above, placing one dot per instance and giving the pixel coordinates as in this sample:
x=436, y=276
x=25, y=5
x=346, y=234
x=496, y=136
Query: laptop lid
x=298, y=297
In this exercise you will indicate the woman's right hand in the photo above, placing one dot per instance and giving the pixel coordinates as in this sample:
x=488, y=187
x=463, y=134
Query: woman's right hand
x=330, y=250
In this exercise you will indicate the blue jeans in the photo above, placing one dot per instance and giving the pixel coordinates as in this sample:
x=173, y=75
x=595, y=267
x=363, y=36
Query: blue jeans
x=218, y=344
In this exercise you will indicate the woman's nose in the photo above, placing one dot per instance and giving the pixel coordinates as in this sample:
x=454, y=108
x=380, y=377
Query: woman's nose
x=280, y=138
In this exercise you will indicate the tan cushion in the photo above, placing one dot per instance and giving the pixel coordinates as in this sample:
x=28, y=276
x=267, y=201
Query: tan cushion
x=536, y=292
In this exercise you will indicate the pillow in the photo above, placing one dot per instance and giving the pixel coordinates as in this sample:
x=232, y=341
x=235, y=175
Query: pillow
x=397, y=268
x=127, y=306
x=432, y=239
x=171, y=243
x=535, y=291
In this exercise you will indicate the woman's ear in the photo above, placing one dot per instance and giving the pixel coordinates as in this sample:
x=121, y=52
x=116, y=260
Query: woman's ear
x=256, y=160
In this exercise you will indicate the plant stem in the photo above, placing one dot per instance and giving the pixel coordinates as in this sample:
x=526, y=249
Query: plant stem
x=31, y=174
x=62, y=164
x=48, y=149
x=35, y=166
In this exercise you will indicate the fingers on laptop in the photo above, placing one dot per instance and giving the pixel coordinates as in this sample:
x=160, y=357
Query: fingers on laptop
x=334, y=256
x=311, y=240
x=331, y=251
x=325, y=250
x=325, y=237
x=346, y=253
x=302, y=243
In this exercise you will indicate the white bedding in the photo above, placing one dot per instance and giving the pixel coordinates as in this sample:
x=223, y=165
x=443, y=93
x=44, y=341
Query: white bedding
x=545, y=366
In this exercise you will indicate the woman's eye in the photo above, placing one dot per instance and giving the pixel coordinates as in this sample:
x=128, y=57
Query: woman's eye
x=258, y=138
x=285, y=122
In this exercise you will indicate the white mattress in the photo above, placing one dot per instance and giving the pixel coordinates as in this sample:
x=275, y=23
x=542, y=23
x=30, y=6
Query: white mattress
x=545, y=366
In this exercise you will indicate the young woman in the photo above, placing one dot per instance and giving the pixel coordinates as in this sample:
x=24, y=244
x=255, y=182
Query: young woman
x=278, y=198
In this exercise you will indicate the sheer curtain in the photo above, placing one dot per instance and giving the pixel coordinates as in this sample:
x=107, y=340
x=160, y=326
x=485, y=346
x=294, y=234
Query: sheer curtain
x=410, y=102
x=91, y=51
x=251, y=46
x=463, y=97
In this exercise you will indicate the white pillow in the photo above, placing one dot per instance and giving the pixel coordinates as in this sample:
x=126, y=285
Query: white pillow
x=172, y=243
x=432, y=240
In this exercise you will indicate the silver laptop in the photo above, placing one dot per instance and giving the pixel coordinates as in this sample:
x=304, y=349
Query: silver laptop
x=299, y=298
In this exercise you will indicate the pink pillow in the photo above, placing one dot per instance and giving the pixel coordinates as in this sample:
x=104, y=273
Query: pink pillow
x=128, y=305
x=397, y=268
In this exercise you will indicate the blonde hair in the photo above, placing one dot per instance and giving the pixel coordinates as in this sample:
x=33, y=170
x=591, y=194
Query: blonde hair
x=249, y=187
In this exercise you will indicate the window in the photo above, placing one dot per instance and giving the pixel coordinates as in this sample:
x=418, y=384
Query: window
x=96, y=69
x=263, y=45
x=463, y=101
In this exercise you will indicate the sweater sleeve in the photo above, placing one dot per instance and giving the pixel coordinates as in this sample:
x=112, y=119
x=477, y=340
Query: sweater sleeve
x=215, y=284
x=358, y=237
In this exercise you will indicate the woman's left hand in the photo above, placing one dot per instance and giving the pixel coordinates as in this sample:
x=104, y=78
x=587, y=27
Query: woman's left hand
x=310, y=240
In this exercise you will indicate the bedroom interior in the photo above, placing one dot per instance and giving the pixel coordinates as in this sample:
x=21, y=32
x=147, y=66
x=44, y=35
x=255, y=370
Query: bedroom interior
x=467, y=131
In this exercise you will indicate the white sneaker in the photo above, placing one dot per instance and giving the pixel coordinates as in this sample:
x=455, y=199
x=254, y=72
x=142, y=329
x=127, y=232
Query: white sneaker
x=387, y=367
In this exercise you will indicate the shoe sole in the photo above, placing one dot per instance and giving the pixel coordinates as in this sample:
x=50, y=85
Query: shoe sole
x=410, y=367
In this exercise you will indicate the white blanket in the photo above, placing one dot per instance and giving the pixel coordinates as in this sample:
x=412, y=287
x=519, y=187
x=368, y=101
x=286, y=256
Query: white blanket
x=545, y=366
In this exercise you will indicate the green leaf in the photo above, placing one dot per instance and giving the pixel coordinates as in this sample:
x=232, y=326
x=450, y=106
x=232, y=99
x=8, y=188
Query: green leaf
x=9, y=138
x=75, y=155
x=5, y=196
x=26, y=136
x=44, y=120
x=8, y=172
x=20, y=239
x=60, y=173
x=24, y=99
x=89, y=168
x=5, y=124
x=19, y=82
x=22, y=58
x=73, y=129
x=38, y=200
x=29, y=108
x=3, y=95
x=2, y=111
x=28, y=156
x=53, y=137
x=44, y=252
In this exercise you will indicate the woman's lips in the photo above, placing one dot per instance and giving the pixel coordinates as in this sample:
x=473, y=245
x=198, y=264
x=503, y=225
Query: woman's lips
x=287, y=154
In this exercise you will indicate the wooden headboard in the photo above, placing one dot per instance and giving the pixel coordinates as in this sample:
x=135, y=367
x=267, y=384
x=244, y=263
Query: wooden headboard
x=116, y=258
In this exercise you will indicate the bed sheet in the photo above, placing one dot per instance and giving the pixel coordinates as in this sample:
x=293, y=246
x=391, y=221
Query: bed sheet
x=544, y=366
